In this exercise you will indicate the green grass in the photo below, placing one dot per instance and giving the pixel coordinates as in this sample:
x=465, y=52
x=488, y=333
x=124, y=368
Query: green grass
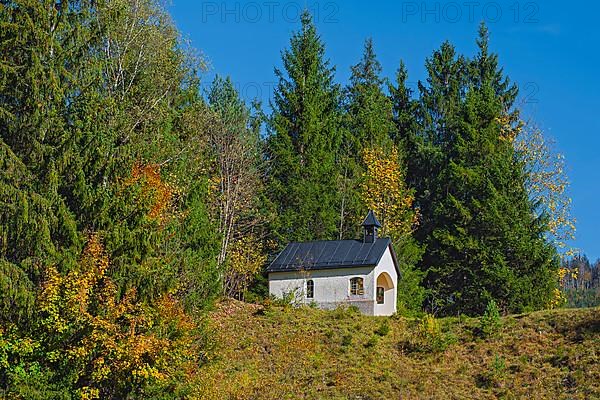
x=279, y=353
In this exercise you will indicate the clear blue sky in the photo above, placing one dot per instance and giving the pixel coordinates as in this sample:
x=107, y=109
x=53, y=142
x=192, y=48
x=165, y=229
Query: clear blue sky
x=549, y=48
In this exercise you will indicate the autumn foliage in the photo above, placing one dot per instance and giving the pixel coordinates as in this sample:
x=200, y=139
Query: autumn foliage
x=156, y=194
x=245, y=259
x=109, y=345
x=384, y=191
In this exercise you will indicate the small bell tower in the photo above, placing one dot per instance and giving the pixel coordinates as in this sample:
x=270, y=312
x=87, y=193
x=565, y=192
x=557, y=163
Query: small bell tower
x=370, y=225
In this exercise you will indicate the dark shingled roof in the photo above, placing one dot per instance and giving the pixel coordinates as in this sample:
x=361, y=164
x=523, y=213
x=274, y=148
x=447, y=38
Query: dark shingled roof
x=330, y=254
x=371, y=220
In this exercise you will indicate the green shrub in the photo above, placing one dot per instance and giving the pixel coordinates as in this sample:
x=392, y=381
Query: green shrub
x=353, y=310
x=287, y=300
x=343, y=311
x=490, y=321
x=346, y=340
x=372, y=342
x=384, y=328
x=498, y=366
x=494, y=375
x=430, y=337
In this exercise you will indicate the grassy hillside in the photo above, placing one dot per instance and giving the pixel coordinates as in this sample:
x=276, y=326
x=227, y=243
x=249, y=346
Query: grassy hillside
x=277, y=353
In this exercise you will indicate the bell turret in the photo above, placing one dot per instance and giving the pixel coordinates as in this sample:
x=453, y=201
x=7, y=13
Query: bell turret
x=370, y=225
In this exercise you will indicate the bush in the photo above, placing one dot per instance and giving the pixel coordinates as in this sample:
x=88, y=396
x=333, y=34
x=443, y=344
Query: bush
x=346, y=340
x=431, y=335
x=490, y=321
x=88, y=341
x=383, y=329
x=494, y=375
x=372, y=341
x=343, y=311
x=353, y=310
x=287, y=300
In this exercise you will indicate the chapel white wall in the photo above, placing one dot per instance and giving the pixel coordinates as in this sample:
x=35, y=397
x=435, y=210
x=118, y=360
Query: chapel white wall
x=386, y=264
x=331, y=287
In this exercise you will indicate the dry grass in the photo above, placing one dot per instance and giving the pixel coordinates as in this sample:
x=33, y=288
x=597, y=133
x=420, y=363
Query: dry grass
x=278, y=353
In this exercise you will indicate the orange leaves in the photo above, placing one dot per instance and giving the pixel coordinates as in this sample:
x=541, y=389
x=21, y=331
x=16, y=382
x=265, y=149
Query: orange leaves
x=110, y=339
x=384, y=191
x=156, y=194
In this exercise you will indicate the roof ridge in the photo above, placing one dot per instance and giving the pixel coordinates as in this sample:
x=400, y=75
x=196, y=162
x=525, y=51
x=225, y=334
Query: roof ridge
x=326, y=241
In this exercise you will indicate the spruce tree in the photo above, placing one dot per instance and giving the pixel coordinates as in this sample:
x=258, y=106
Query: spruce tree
x=368, y=124
x=304, y=139
x=36, y=226
x=369, y=109
x=484, y=70
x=436, y=114
x=406, y=135
x=486, y=242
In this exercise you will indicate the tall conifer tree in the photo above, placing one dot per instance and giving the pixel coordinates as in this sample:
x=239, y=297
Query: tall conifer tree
x=368, y=123
x=406, y=135
x=485, y=242
x=439, y=101
x=304, y=140
x=369, y=109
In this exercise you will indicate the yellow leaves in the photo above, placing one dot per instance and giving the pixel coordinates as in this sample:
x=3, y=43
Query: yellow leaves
x=66, y=298
x=558, y=296
x=89, y=393
x=558, y=299
x=430, y=326
x=384, y=191
x=562, y=273
x=510, y=129
x=245, y=258
x=247, y=255
x=147, y=373
x=548, y=184
x=566, y=274
x=112, y=339
x=49, y=300
x=214, y=186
